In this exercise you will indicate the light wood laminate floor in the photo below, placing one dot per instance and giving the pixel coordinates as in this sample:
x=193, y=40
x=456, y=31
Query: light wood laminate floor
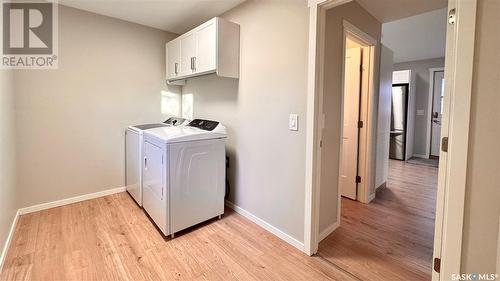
x=392, y=237
x=110, y=238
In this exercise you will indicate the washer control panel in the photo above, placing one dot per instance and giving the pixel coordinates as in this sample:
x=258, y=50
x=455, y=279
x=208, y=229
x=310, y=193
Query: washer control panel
x=174, y=121
x=206, y=125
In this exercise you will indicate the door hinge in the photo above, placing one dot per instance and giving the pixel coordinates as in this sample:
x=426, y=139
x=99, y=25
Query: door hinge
x=452, y=16
x=321, y=143
x=444, y=144
x=358, y=179
x=437, y=265
x=360, y=124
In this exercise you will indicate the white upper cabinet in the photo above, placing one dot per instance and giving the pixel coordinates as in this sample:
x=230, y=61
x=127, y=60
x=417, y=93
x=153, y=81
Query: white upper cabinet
x=188, y=54
x=173, y=59
x=213, y=47
x=206, y=46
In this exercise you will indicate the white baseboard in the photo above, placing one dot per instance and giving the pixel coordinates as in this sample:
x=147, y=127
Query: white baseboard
x=420, y=156
x=71, y=200
x=267, y=226
x=371, y=197
x=9, y=240
x=323, y=234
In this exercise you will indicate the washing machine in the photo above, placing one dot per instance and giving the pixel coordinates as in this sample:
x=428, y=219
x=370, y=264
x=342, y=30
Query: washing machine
x=184, y=174
x=134, y=157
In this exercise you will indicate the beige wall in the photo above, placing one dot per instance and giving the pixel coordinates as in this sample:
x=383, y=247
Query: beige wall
x=482, y=202
x=359, y=17
x=267, y=170
x=420, y=69
x=71, y=121
x=8, y=192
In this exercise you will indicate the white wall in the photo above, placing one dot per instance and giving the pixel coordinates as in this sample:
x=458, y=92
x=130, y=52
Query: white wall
x=71, y=121
x=267, y=172
x=8, y=192
x=384, y=116
x=418, y=37
x=421, y=98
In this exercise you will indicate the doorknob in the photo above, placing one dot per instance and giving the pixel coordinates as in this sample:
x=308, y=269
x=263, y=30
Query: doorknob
x=435, y=115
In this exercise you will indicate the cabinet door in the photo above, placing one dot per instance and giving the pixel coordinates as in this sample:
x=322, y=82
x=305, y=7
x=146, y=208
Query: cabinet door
x=206, y=39
x=188, y=53
x=173, y=56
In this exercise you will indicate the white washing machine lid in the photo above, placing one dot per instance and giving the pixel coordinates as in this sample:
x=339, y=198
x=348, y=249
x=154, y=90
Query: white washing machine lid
x=142, y=127
x=172, y=121
x=186, y=133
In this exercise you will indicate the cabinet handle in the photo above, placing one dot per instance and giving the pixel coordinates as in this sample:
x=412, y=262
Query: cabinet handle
x=175, y=68
x=192, y=68
x=194, y=63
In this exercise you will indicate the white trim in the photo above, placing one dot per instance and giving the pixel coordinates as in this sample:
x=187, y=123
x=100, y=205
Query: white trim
x=327, y=231
x=67, y=201
x=432, y=72
x=455, y=126
x=371, y=197
x=367, y=110
x=498, y=248
x=9, y=240
x=419, y=156
x=317, y=10
x=358, y=33
x=267, y=226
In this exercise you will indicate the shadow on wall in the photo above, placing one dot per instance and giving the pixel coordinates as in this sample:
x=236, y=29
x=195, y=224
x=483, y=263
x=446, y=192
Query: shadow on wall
x=216, y=98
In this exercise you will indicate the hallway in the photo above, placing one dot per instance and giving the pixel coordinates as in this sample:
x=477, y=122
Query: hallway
x=392, y=237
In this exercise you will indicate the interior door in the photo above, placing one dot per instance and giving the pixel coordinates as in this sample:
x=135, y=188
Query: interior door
x=188, y=53
x=350, y=131
x=173, y=58
x=206, y=48
x=437, y=111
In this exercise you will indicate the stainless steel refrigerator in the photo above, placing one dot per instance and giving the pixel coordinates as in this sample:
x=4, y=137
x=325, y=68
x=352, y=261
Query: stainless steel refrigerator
x=399, y=104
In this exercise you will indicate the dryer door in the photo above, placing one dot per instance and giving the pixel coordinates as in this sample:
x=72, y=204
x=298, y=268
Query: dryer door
x=153, y=193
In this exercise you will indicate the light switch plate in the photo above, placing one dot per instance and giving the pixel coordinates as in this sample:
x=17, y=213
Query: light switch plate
x=420, y=112
x=293, y=122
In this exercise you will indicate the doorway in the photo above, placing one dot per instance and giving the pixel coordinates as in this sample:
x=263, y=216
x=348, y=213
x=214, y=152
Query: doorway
x=399, y=121
x=355, y=88
x=436, y=96
x=390, y=234
x=456, y=116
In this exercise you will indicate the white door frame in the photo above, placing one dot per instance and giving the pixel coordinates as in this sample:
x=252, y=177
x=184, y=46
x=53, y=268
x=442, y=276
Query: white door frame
x=452, y=171
x=366, y=138
x=432, y=71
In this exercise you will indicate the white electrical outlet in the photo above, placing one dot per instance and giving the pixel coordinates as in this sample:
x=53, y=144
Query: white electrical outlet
x=293, y=122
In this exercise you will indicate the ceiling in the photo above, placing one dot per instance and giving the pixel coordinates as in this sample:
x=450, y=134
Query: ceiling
x=416, y=38
x=390, y=10
x=177, y=16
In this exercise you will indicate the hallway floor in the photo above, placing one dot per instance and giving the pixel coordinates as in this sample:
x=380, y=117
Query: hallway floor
x=392, y=237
